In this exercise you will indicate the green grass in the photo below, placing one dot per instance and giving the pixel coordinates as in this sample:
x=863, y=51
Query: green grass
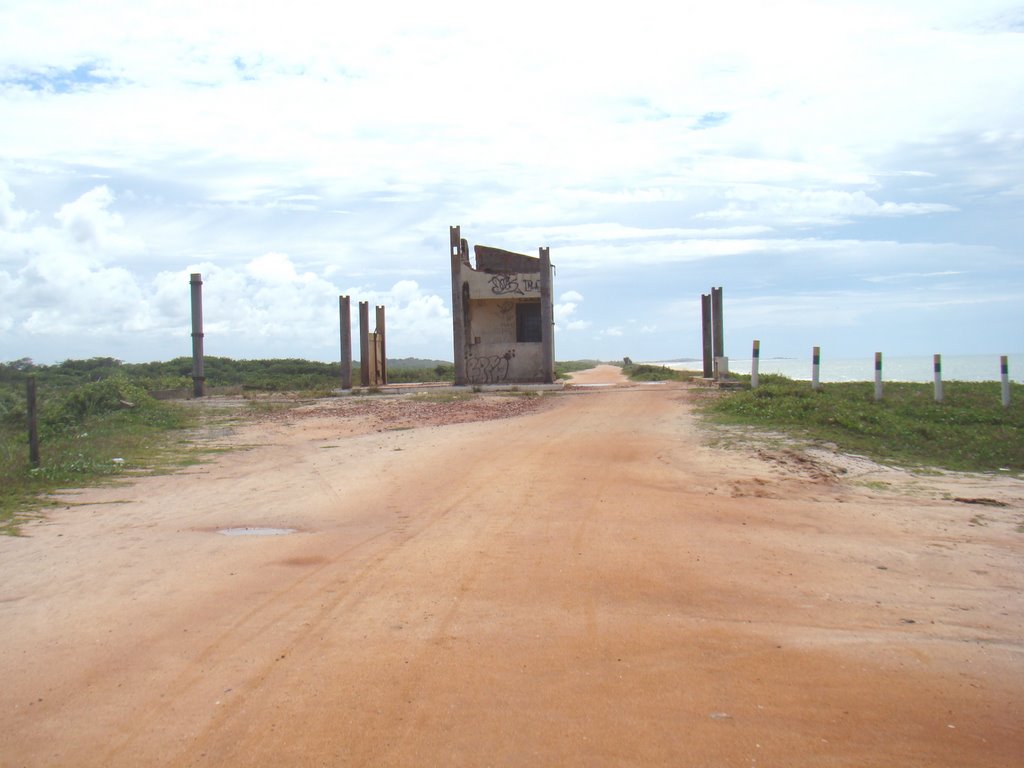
x=644, y=372
x=969, y=431
x=565, y=367
x=88, y=435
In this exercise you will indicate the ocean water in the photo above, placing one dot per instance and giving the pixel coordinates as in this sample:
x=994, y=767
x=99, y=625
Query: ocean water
x=919, y=368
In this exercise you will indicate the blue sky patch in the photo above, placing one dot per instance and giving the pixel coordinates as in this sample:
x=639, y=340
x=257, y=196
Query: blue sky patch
x=711, y=120
x=62, y=80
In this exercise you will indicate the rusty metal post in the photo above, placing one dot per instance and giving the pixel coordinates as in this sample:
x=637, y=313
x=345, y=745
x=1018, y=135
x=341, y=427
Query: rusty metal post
x=705, y=318
x=383, y=336
x=458, y=311
x=547, y=319
x=33, y=422
x=345, y=318
x=364, y=343
x=198, y=373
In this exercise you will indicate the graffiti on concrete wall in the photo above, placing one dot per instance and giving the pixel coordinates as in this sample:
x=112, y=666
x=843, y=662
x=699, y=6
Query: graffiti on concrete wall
x=489, y=369
x=502, y=285
x=509, y=284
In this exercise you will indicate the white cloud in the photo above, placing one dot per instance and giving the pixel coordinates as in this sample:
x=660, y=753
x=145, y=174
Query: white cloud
x=818, y=206
x=287, y=151
x=273, y=268
x=565, y=310
x=910, y=276
x=574, y=233
x=10, y=217
x=63, y=288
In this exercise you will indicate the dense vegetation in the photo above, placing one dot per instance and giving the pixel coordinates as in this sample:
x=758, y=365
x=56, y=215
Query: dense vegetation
x=970, y=430
x=277, y=375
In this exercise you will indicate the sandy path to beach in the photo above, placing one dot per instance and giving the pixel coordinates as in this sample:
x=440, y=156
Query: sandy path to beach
x=587, y=583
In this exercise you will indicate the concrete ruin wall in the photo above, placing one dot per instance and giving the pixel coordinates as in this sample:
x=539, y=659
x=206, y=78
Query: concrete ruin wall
x=499, y=301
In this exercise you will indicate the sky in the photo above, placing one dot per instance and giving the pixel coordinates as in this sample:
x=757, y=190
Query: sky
x=850, y=173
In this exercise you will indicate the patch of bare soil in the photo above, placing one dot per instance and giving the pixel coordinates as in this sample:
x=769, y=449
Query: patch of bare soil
x=585, y=582
x=398, y=411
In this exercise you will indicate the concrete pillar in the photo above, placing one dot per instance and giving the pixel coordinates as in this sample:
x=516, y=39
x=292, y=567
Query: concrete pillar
x=718, y=335
x=364, y=343
x=937, y=367
x=345, y=318
x=458, y=311
x=547, y=318
x=198, y=372
x=382, y=335
x=705, y=324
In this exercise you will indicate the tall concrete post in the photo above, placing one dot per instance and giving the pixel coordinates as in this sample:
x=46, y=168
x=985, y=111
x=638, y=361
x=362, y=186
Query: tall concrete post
x=383, y=336
x=718, y=335
x=345, y=319
x=198, y=373
x=705, y=324
x=547, y=318
x=458, y=311
x=364, y=343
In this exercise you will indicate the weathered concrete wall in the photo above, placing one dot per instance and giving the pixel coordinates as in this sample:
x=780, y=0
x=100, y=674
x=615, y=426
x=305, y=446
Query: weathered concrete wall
x=490, y=259
x=493, y=322
x=499, y=363
x=512, y=285
x=484, y=300
x=494, y=356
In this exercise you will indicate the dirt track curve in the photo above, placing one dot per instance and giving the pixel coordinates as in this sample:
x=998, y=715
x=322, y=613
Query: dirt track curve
x=584, y=584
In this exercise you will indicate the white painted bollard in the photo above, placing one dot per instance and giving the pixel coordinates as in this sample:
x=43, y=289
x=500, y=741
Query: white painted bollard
x=754, y=360
x=816, y=368
x=878, y=376
x=721, y=368
x=938, y=378
x=1004, y=370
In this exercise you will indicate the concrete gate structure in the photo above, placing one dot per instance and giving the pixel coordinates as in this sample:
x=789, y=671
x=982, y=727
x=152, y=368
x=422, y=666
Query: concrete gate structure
x=502, y=315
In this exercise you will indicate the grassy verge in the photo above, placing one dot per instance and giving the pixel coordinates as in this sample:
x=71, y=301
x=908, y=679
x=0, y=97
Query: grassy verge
x=969, y=431
x=643, y=372
x=91, y=435
x=565, y=367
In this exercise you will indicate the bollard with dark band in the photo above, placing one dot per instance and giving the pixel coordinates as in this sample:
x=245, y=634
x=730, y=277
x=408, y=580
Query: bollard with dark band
x=878, y=376
x=1004, y=375
x=754, y=362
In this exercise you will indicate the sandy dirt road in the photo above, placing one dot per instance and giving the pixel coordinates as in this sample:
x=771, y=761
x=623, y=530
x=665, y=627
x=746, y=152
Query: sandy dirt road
x=587, y=583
